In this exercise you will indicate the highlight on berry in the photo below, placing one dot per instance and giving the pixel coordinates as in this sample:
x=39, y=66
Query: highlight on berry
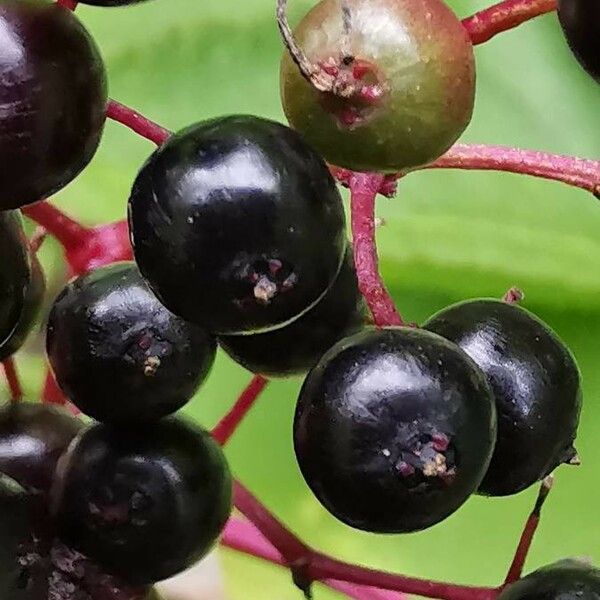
x=235, y=252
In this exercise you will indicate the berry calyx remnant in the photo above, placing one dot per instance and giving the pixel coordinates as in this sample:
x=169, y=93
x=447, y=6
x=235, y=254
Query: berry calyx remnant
x=295, y=348
x=394, y=429
x=402, y=82
x=120, y=355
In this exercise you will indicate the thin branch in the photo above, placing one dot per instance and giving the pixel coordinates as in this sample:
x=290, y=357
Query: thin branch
x=137, y=122
x=578, y=172
x=227, y=426
x=13, y=380
x=364, y=188
x=531, y=525
x=69, y=4
x=66, y=230
x=320, y=79
x=51, y=393
x=244, y=537
x=314, y=566
x=484, y=25
x=39, y=236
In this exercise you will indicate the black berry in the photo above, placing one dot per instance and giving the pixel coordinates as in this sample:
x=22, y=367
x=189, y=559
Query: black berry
x=32, y=439
x=144, y=501
x=536, y=387
x=23, y=575
x=297, y=347
x=53, y=94
x=406, y=75
x=394, y=429
x=237, y=224
x=118, y=353
x=564, y=580
x=21, y=284
x=580, y=20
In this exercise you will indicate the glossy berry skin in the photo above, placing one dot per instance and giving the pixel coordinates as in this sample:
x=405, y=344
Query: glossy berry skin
x=564, y=580
x=297, y=347
x=53, y=97
x=22, y=284
x=237, y=224
x=536, y=387
x=410, y=67
x=32, y=439
x=118, y=353
x=394, y=429
x=146, y=501
x=580, y=20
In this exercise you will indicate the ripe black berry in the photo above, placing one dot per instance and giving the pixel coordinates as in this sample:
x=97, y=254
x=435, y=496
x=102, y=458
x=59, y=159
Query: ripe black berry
x=564, y=580
x=21, y=284
x=394, y=429
x=237, y=224
x=406, y=74
x=580, y=20
x=32, y=439
x=118, y=353
x=297, y=347
x=536, y=387
x=53, y=94
x=145, y=501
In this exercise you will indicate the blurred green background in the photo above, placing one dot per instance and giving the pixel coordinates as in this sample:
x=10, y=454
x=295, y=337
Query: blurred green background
x=447, y=236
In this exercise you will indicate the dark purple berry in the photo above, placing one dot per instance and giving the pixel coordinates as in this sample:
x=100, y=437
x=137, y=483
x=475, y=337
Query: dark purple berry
x=536, y=386
x=564, y=580
x=118, y=353
x=237, y=224
x=53, y=99
x=32, y=439
x=394, y=429
x=297, y=347
x=22, y=284
x=405, y=72
x=145, y=501
x=580, y=20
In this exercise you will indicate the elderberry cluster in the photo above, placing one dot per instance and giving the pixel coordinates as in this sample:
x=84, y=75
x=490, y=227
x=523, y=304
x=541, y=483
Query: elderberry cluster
x=239, y=238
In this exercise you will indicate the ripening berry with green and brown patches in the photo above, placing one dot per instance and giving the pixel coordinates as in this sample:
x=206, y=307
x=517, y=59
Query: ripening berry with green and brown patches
x=403, y=74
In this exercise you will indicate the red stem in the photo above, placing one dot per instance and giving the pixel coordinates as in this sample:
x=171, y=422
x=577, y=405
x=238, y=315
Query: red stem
x=578, y=172
x=503, y=16
x=52, y=394
x=12, y=378
x=70, y=4
x=66, y=230
x=137, y=122
x=227, y=426
x=531, y=525
x=363, y=189
x=243, y=537
x=513, y=296
x=314, y=566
